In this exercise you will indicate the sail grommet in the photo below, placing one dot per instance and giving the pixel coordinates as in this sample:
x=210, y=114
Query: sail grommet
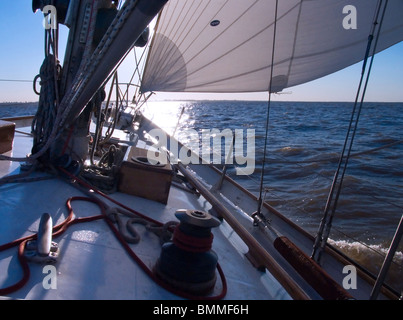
x=215, y=23
x=187, y=262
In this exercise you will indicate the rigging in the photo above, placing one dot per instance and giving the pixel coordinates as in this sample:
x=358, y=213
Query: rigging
x=332, y=201
x=260, y=201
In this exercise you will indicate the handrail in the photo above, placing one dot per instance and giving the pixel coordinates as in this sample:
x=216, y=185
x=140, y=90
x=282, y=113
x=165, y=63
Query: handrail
x=295, y=291
x=20, y=121
x=315, y=276
x=388, y=260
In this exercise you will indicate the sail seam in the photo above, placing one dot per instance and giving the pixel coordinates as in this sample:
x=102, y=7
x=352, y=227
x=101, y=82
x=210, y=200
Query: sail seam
x=167, y=59
x=233, y=48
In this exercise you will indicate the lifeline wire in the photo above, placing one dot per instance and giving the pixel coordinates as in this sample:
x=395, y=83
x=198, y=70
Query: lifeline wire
x=260, y=202
x=326, y=222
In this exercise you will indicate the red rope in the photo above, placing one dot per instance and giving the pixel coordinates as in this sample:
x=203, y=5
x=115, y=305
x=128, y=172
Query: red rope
x=57, y=231
x=66, y=144
x=25, y=268
x=89, y=187
x=191, y=243
x=61, y=228
x=138, y=260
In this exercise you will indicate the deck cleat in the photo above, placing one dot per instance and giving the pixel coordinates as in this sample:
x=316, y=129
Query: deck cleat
x=43, y=250
x=188, y=263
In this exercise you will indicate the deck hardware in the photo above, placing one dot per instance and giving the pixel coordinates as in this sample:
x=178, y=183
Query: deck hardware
x=43, y=250
x=188, y=263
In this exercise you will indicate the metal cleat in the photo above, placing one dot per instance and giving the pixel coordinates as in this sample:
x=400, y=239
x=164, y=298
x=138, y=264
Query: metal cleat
x=43, y=250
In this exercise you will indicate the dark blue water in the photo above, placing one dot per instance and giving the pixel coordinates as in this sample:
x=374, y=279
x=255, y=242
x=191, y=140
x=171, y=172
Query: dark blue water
x=304, y=143
x=9, y=110
x=305, y=140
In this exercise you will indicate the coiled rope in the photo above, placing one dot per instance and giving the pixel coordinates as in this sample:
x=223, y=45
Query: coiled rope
x=105, y=215
x=45, y=117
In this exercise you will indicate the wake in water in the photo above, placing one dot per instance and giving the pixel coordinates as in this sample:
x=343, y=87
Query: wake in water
x=372, y=257
x=304, y=144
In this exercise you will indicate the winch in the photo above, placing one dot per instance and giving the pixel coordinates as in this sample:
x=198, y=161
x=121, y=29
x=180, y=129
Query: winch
x=188, y=263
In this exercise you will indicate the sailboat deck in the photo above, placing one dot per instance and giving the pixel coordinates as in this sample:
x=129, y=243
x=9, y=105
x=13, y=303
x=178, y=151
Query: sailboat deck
x=92, y=263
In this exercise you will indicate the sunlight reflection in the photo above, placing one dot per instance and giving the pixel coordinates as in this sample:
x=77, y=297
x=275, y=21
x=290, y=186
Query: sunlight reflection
x=166, y=114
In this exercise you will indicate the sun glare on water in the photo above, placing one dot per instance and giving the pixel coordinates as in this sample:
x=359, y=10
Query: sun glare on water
x=166, y=114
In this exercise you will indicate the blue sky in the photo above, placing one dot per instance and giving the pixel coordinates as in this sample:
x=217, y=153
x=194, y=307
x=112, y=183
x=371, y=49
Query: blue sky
x=22, y=52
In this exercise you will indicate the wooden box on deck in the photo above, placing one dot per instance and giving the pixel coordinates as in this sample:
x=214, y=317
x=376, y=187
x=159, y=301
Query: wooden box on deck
x=7, y=130
x=145, y=180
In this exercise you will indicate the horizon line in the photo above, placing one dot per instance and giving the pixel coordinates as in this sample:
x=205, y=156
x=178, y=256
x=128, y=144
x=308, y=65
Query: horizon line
x=248, y=100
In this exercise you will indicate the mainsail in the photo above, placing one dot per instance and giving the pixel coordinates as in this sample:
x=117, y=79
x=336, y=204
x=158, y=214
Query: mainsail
x=227, y=45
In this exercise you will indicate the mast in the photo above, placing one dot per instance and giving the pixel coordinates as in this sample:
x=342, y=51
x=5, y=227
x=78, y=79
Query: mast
x=99, y=39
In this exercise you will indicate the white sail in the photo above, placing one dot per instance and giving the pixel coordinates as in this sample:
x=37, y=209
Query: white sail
x=226, y=45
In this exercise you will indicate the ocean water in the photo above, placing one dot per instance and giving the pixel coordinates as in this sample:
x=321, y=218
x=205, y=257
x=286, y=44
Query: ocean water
x=305, y=140
x=9, y=110
x=304, y=143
